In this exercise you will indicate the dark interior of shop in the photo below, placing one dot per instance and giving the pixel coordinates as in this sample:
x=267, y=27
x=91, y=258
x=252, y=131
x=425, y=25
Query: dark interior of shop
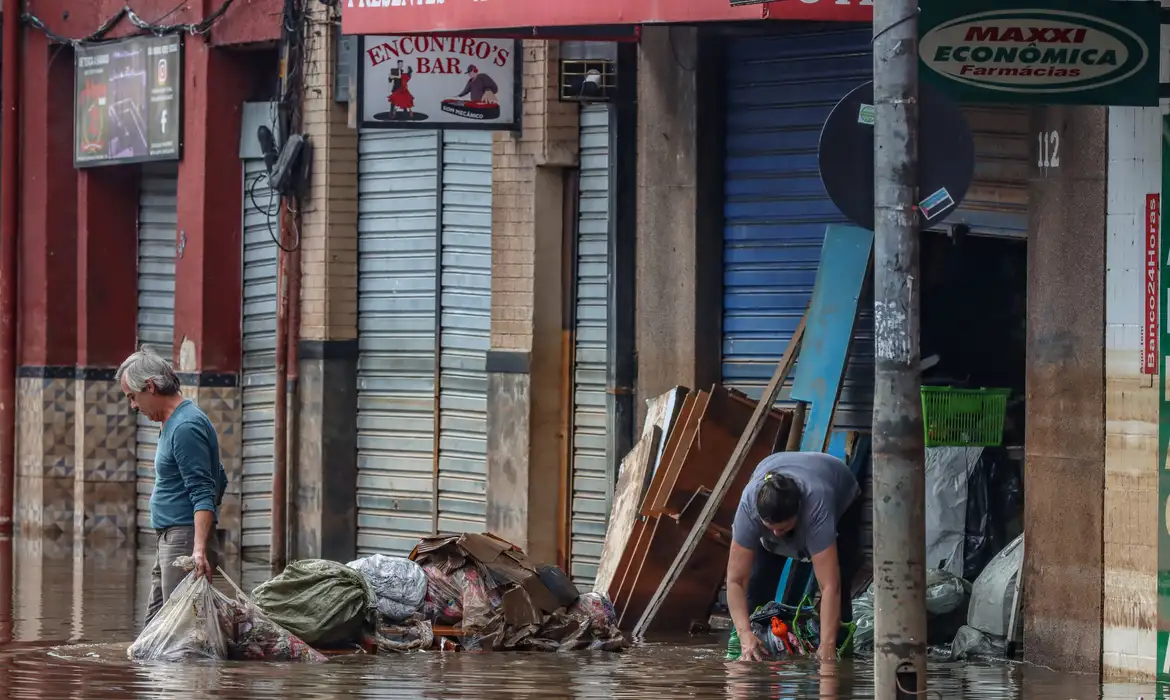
x=974, y=316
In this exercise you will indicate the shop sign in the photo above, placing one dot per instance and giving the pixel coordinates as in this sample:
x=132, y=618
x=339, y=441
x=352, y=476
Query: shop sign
x=128, y=101
x=421, y=16
x=1098, y=52
x=1151, y=293
x=439, y=82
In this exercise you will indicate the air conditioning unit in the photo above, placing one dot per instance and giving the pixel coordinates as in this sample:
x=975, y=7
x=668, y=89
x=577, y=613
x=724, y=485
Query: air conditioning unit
x=588, y=80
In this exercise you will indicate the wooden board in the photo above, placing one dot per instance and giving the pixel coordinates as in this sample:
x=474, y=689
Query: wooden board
x=739, y=456
x=697, y=466
x=832, y=314
x=672, y=463
x=626, y=499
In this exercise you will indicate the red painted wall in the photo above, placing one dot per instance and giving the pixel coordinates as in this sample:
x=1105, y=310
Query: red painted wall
x=245, y=22
x=78, y=229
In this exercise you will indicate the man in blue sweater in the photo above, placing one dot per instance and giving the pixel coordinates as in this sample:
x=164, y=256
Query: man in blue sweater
x=189, y=479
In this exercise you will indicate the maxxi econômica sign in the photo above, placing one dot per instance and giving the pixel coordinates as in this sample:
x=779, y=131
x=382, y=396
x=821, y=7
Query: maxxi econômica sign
x=1090, y=52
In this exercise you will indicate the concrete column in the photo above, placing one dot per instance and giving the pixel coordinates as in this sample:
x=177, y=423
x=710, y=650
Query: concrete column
x=48, y=277
x=105, y=475
x=324, y=512
x=679, y=248
x=525, y=378
x=1064, y=471
x=208, y=282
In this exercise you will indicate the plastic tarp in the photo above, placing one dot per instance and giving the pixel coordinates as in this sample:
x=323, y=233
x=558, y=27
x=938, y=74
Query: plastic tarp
x=200, y=623
x=399, y=584
x=323, y=602
x=948, y=470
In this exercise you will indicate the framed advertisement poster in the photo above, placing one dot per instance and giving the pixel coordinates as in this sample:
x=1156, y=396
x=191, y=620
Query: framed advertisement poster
x=439, y=82
x=127, y=105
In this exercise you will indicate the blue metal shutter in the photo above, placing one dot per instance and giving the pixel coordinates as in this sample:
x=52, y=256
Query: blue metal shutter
x=465, y=329
x=780, y=91
x=397, y=217
x=158, y=215
x=592, y=465
x=258, y=380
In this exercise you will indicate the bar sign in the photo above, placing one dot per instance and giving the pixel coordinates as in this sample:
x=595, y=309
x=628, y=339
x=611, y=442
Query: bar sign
x=1150, y=331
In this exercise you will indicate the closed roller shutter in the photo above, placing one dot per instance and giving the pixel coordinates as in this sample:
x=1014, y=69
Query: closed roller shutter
x=592, y=465
x=258, y=381
x=158, y=213
x=465, y=329
x=780, y=91
x=397, y=225
x=996, y=203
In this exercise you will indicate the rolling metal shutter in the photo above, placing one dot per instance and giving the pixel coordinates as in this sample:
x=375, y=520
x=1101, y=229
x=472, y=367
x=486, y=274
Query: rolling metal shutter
x=996, y=203
x=592, y=465
x=258, y=380
x=465, y=329
x=158, y=213
x=397, y=225
x=780, y=91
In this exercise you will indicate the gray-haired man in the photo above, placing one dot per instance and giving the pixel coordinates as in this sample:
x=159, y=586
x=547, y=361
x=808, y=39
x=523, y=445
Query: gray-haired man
x=189, y=478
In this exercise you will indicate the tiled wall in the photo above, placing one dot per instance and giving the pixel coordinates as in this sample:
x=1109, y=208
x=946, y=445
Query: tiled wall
x=1131, y=404
x=105, y=465
x=45, y=454
x=77, y=464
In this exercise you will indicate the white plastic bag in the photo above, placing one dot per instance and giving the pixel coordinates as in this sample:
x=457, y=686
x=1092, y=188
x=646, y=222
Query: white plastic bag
x=195, y=623
x=399, y=584
x=200, y=623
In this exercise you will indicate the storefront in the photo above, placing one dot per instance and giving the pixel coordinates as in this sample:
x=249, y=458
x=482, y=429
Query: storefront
x=424, y=302
x=780, y=89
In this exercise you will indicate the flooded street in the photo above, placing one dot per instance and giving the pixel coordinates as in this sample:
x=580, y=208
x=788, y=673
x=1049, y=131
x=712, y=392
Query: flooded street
x=74, y=615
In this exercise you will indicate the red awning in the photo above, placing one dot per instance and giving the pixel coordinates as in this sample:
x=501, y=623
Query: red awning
x=438, y=16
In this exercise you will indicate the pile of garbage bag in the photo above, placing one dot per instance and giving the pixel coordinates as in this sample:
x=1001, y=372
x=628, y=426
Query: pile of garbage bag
x=947, y=598
x=200, y=623
x=326, y=603
x=503, y=601
x=399, y=585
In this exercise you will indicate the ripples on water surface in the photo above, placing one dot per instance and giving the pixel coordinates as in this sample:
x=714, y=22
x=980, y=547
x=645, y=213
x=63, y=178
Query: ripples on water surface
x=74, y=615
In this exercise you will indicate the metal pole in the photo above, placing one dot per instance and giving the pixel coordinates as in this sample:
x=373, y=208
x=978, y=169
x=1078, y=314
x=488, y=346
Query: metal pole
x=898, y=451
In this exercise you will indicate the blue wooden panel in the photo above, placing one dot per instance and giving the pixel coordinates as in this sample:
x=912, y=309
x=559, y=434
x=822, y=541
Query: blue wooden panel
x=780, y=90
x=832, y=313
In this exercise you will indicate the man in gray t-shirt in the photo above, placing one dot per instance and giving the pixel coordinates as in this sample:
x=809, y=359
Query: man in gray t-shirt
x=797, y=505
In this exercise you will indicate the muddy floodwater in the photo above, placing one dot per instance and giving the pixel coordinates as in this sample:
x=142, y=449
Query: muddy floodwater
x=73, y=613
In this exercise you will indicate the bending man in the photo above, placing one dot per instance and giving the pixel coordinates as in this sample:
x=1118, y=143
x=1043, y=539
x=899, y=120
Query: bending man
x=189, y=479
x=797, y=505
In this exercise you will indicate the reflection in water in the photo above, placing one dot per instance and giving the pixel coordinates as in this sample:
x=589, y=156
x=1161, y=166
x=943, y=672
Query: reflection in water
x=66, y=617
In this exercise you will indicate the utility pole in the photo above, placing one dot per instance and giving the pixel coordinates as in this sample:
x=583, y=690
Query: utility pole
x=899, y=471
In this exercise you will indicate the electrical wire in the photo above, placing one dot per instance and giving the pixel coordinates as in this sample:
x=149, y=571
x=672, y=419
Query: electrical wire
x=289, y=91
x=126, y=13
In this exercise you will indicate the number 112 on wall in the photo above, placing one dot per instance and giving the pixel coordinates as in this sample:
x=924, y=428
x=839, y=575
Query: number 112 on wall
x=1048, y=155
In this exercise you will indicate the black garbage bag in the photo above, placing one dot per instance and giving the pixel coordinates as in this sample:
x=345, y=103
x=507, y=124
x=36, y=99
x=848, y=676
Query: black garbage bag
x=995, y=503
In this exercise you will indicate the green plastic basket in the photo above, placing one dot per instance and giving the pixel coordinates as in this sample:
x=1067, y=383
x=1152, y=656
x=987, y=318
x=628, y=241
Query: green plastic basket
x=963, y=417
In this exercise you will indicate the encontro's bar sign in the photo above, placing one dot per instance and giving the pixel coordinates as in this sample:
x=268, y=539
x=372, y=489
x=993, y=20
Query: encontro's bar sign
x=433, y=82
x=1051, y=51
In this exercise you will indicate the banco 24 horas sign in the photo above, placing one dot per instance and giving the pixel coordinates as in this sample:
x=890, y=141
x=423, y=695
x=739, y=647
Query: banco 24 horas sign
x=1100, y=52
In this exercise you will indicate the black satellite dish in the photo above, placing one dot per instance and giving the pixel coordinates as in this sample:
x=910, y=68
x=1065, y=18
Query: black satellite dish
x=946, y=156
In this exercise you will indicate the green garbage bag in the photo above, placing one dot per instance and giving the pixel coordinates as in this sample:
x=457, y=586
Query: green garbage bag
x=325, y=603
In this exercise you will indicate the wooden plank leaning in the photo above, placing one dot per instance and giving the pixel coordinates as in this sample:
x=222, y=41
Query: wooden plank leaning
x=750, y=433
